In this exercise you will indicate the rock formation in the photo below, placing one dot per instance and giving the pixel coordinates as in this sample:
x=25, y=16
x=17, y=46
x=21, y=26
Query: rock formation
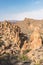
x=9, y=38
x=23, y=38
x=35, y=39
x=25, y=47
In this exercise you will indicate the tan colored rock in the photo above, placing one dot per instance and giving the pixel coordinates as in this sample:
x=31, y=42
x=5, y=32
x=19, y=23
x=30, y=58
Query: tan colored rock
x=24, y=47
x=35, y=46
x=10, y=36
x=35, y=39
x=36, y=55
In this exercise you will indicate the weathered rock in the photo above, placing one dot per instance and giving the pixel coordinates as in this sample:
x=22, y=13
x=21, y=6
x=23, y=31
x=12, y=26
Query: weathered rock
x=10, y=36
x=35, y=39
x=25, y=47
x=10, y=42
x=36, y=55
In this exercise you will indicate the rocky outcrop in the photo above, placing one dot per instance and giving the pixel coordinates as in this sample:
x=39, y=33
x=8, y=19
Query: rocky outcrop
x=21, y=43
x=9, y=38
x=35, y=39
x=36, y=56
x=25, y=47
x=36, y=53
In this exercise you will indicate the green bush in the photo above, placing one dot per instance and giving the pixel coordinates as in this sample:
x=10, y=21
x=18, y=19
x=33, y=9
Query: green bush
x=24, y=58
x=27, y=51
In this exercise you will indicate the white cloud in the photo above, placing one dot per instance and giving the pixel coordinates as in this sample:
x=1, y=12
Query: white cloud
x=38, y=14
x=33, y=14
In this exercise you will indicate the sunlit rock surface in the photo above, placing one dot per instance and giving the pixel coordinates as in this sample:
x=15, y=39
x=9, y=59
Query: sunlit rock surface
x=21, y=43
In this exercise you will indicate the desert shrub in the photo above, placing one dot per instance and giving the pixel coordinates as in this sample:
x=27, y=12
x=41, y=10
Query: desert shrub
x=37, y=64
x=27, y=51
x=1, y=43
x=23, y=57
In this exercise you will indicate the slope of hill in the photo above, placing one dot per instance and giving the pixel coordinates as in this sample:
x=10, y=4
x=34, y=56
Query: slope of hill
x=20, y=41
x=27, y=25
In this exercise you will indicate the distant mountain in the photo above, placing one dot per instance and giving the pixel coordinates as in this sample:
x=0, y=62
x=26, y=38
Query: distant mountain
x=29, y=24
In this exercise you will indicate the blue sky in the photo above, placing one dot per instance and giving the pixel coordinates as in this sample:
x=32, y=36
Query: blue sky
x=19, y=9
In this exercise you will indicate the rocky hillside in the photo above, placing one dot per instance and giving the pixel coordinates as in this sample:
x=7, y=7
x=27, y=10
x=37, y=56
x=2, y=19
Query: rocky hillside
x=21, y=42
